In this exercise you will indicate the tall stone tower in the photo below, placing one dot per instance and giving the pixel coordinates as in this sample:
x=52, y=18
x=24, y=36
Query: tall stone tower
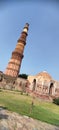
x=14, y=64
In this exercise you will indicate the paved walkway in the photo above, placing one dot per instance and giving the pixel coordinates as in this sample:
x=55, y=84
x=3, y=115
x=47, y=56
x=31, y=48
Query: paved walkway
x=14, y=121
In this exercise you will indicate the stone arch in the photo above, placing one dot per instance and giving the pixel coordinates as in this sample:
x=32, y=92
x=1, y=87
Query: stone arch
x=34, y=84
x=51, y=88
x=1, y=78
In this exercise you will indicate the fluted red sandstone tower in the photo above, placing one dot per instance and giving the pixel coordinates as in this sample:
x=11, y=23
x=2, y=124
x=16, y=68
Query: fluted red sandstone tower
x=14, y=64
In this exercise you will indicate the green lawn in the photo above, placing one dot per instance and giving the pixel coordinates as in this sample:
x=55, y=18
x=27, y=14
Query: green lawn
x=44, y=111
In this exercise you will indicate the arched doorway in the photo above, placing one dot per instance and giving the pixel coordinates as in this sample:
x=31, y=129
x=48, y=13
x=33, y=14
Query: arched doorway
x=34, y=84
x=51, y=89
x=1, y=78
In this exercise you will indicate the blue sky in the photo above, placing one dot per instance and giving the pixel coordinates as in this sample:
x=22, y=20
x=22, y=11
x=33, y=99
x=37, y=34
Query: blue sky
x=42, y=49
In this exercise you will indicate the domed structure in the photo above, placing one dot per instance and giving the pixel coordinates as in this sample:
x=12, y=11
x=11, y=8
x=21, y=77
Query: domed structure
x=44, y=76
x=44, y=83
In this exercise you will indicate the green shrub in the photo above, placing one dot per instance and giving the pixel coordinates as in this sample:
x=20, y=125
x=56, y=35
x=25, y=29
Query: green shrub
x=56, y=101
x=24, y=76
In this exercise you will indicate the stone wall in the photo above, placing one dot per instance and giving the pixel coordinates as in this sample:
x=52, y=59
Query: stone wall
x=41, y=90
x=8, y=82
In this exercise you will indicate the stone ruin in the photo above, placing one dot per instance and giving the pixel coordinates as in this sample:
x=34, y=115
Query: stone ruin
x=46, y=86
x=42, y=85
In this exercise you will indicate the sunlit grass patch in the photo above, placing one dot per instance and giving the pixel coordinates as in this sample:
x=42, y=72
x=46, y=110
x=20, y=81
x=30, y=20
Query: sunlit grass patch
x=44, y=111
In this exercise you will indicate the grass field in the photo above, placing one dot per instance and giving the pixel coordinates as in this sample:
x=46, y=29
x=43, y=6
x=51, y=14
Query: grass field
x=44, y=111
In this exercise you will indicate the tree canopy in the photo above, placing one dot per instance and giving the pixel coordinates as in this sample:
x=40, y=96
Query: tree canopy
x=23, y=76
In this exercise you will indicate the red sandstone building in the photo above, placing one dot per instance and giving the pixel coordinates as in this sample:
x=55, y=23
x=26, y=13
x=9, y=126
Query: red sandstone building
x=45, y=86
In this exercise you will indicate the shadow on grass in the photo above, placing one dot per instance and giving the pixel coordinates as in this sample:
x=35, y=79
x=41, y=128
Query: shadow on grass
x=2, y=107
x=2, y=115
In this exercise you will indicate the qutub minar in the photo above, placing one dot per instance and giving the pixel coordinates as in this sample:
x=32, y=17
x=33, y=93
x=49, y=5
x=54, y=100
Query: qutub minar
x=45, y=86
x=14, y=64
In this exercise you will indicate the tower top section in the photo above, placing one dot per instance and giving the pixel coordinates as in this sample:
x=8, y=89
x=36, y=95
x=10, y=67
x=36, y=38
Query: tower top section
x=24, y=34
x=25, y=29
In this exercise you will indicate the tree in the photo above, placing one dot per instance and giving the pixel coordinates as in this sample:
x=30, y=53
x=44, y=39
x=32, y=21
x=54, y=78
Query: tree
x=24, y=76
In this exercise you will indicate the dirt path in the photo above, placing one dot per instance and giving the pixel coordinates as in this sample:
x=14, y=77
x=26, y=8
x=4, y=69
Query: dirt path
x=14, y=121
